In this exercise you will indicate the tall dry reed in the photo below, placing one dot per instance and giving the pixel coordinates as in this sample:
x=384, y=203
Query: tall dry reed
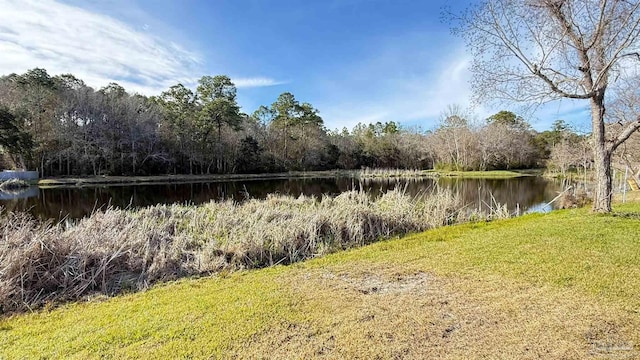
x=128, y=250
x=368, y=173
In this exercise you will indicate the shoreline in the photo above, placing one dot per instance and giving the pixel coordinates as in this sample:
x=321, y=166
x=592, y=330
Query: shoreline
x=181, y=178
x=489, y=174
x=356, y=174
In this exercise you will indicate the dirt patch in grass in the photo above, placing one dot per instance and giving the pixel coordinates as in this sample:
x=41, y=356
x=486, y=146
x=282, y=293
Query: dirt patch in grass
x=375, y=284
x=394, y=314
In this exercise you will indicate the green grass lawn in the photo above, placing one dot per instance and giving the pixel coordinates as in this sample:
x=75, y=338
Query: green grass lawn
x=558, y=285
x=491, y=174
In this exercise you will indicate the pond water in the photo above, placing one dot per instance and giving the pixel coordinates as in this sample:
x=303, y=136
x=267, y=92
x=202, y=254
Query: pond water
x=526, y=193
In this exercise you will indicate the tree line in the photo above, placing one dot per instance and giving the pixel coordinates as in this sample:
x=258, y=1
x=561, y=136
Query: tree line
x=62, y=127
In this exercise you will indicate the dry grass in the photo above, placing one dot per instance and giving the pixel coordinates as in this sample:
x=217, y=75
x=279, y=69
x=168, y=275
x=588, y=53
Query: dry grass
x=409, y=174
x=629, y=196
x=556, y=286
x=116, y=250
x=391, y=173
x=488, y=174
x=562, y=285
x=396, y=312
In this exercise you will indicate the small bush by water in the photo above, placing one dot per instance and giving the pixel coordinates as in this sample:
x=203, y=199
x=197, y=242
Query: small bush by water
x=13, y=184
x=122, y=250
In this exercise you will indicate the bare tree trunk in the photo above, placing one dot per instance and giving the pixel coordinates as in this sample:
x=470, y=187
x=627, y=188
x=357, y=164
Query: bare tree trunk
x=602, y=199
x=601, y=158
x=23, y=164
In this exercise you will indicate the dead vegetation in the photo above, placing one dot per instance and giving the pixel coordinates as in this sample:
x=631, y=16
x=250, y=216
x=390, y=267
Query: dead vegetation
x=118, y=250
x=574, y=199
x=368, y=173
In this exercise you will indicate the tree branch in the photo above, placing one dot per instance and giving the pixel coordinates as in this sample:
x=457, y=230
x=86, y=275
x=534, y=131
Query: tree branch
x=635, y=54
x=625, y=134
x=536, y=71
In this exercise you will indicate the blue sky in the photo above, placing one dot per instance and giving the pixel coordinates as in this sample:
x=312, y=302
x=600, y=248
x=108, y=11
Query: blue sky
x=354, y=60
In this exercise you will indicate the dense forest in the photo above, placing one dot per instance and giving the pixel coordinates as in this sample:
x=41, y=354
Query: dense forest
x=60, y=126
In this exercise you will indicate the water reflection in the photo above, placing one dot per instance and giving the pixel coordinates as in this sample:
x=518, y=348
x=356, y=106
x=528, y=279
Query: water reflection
x=518, y=194
x=19, y=193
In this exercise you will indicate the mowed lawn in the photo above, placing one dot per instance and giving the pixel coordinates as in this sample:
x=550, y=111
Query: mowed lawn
x=564, y=285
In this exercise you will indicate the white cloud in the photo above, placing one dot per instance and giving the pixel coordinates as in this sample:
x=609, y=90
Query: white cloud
x=415, y=98
x=96, y=48
x=255, y=82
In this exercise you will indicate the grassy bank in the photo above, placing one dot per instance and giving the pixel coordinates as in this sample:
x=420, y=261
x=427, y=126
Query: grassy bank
x=588, y=176
x=571, y=175
x=629, y=196
x=558, y=285
x=116, y=251
x=434, y=173
x=492, y=174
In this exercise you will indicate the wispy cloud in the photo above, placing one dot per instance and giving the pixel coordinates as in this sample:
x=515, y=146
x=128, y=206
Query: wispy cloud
x=253, y=82
x=414, y=97
x=95, y=47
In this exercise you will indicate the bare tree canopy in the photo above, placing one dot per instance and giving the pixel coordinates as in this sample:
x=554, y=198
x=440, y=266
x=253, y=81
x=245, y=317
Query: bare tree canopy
x=542, y=50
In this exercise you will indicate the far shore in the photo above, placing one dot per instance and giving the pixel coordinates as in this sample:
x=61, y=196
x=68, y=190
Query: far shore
x=182, y=178
x=367, y=173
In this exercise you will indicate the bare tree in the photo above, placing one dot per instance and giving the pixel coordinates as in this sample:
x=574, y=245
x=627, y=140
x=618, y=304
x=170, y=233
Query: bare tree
x=568, y=154
x=454, y=143
x=414, y=149
x=536, y=51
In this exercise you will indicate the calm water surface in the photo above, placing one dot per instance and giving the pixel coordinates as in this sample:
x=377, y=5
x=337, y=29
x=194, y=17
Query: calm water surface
x=528, y=193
